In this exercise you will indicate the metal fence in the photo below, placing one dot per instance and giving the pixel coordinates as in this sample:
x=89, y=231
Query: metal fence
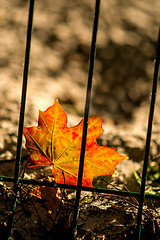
x=17, y=180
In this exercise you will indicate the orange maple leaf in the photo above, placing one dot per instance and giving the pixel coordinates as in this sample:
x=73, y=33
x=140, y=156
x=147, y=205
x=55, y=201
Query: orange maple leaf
x=54, y=143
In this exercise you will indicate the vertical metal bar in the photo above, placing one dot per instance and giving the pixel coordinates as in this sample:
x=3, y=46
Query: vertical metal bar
x=21, y=117
x=86, y=114
x=148, y=138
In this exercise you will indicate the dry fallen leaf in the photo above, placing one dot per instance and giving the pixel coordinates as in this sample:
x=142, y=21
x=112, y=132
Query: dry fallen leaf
x=54, y=143
x=50, y=195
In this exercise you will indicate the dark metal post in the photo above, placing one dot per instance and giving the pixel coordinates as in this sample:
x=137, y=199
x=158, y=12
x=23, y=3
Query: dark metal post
x=86, y=114
x=148, y=139
x=21, y=117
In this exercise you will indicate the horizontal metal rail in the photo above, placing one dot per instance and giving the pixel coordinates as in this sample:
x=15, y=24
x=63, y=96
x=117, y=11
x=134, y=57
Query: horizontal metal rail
x=88, y=189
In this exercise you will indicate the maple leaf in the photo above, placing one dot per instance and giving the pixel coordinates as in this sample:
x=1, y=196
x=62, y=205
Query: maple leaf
x=52, y=142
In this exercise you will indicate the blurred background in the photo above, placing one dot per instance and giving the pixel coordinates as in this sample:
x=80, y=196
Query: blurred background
x=59, y=61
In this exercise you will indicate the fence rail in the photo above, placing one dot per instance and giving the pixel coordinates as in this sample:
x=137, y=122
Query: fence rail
x=16, y=179
x=73, y=187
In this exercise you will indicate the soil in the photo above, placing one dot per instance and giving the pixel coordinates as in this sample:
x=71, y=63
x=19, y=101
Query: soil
x=124, y=66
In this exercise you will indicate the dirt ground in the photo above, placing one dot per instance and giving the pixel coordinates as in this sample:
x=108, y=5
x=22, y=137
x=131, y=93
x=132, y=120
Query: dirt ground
x=121, y=93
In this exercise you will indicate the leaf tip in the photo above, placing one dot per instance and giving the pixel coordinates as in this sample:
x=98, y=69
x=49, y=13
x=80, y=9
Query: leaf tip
x=56, y=101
